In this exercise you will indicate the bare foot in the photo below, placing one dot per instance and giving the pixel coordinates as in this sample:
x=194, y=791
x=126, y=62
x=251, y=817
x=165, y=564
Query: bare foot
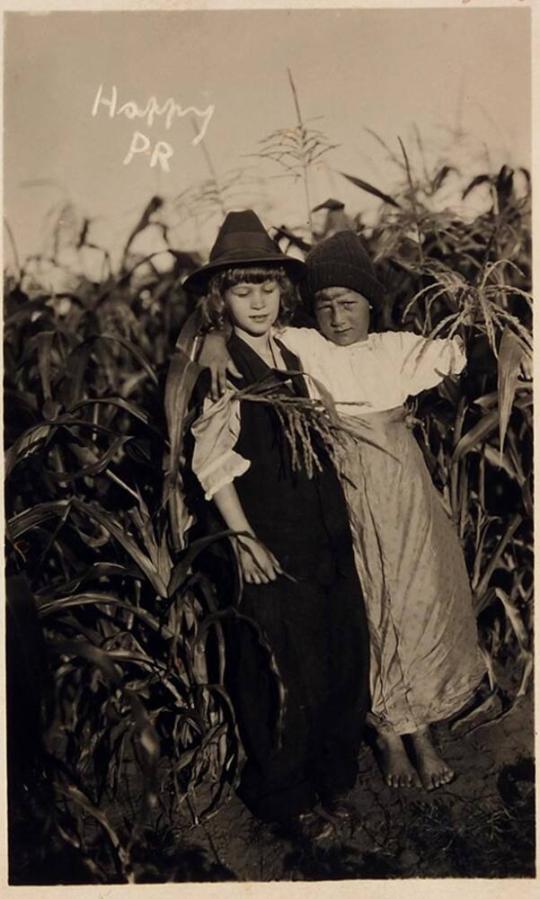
x=433, y=770
x=396, y=767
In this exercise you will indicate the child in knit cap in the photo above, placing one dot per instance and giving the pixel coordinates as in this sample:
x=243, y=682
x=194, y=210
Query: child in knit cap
x=425, y=662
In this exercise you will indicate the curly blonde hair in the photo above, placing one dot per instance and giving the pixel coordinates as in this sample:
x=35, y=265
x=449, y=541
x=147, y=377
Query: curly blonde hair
x=213, y=303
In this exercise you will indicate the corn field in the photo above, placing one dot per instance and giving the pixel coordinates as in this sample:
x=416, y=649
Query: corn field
x=116, y=651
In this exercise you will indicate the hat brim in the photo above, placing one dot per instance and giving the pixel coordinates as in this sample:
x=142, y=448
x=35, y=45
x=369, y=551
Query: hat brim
x=197, y=281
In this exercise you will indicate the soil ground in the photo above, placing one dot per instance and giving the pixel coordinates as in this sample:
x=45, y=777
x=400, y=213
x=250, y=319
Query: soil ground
x=481, y=825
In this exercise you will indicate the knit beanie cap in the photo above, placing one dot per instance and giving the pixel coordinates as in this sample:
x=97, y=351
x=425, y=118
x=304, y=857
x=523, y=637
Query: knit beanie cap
x=341, y=261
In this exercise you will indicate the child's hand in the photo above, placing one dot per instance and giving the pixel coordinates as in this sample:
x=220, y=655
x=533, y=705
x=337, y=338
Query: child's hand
x=215, y=356
x=258, y=564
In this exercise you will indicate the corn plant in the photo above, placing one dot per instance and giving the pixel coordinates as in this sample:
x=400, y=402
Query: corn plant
x=110, y=617
x=296, y=149
x=132, y=630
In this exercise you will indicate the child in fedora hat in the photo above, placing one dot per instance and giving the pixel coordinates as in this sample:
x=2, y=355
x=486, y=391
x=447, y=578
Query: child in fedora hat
x=294, y=550
x=425, y=659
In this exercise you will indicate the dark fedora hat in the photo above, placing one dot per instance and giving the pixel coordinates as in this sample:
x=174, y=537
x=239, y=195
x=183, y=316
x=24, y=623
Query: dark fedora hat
x=242, y=241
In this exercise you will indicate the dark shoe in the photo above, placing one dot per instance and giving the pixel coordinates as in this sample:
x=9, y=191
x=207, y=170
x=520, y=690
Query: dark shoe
x=313, y=827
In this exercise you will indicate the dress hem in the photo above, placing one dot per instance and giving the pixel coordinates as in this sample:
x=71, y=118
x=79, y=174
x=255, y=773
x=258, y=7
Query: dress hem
x=449, y=709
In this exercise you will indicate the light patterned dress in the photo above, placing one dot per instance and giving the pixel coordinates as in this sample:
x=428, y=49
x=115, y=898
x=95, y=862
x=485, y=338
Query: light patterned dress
x=425, y=659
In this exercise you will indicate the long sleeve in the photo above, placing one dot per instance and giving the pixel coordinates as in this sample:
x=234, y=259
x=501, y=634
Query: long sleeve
x=303, y=341
x=316, y=354
x=216, y=431
x=423, y=362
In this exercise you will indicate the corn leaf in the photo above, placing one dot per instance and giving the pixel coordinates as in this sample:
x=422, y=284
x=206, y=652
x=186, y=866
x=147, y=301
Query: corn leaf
x=93, y=572
x=181, y=379
x=34, y=517
x=514, y=618
x=494, y=561
x=75, y=794
x=182, y=567
x=511, y=354
x=45, y=341
x=147, y=738
x=61, y=603
x=24, y=446
x=476, y=436
x=119, y=403
x=370, y=189
x=115, y=528
x=476, y=182
x=94, y=468
x=190, y=331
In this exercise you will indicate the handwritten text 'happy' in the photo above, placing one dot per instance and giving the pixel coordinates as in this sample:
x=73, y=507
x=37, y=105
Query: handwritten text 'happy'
x=151, y=112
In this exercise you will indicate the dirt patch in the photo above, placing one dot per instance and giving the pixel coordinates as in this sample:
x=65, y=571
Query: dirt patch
x=480, y=825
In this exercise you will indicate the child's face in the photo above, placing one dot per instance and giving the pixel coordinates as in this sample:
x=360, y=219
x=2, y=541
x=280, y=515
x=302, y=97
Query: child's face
x=342, y=315
x=253, y=308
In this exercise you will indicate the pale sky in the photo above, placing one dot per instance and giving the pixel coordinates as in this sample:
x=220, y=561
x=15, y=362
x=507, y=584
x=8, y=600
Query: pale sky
x=384, y=70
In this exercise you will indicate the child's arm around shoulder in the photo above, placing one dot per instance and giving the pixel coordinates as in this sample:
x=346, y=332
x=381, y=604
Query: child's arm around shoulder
x=303, y=341
x=423, y=362
x=215, y=356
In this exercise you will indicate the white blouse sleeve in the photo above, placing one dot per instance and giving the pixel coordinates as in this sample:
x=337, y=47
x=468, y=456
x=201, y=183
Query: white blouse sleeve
x=306, y=343
x=316, y=353
x=424, y=362
x=216, y=431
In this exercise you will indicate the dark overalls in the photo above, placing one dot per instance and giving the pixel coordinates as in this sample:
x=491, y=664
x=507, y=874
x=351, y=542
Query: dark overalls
x=316, y=626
